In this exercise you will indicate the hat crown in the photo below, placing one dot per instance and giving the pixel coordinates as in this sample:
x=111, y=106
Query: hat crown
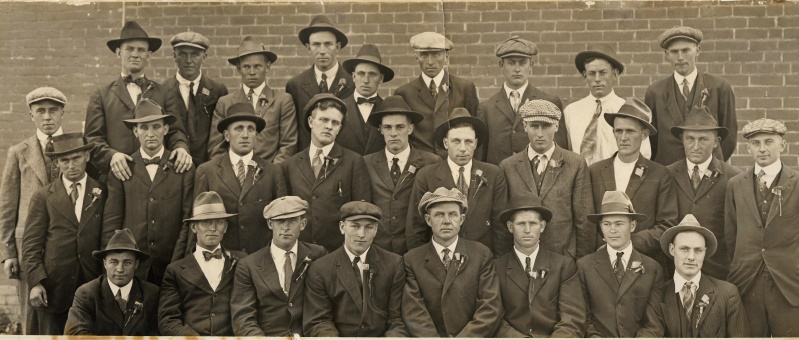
x=44, y=93
x=122, y=240
x=250, y=44
x=700, y=117
x=132, y=30
x=540, y=108
x=431, y=41
x=394, y=104
x=442, y=195
x=636, y=108
x=68, y=141
x=190, y=39
x=459, y=112
x=690, y=221
x=146, y=108
x=208, y=202
x=764, y=125
x=360, y=208
x=369, y=52
x=320, y=21
x=616, y=202
x=515, y=45
x=604, y=48
x=285, y=206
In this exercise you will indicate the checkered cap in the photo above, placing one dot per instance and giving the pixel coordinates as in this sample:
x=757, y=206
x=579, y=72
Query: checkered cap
x=540, y=110
x=192, y=39
x=764, y=125
x=516, y=47
x=679, y=32
x=431, y=41
x=46, y=93
x=442, y=195
x=285, y=207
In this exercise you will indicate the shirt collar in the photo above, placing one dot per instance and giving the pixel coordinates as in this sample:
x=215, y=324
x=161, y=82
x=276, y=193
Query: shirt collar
x=357, y=95
x=532, y=256
x=455, y=168
x=186, y=82
x=258, y=90
x=604, y=99
x=42, y=137
x=234, y=158
x=680, y=281
x=771, y=170
x=627, y=252
x=532, y=153
x=199, y=250
x=325, y=150
x=521, y=90
x=331, y=73
x=276, y=251
x=403, y=155
x=125, y=289
x=144, y=155
x=125, y=75
x=451, y=247
x=702, y=167
x=68, y=183
x=438, y=78
x=691, y=77
x=352, y=256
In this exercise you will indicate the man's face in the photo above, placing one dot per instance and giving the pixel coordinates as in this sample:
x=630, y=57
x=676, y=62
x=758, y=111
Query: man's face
x=682, y=56
x=285, y=232
x=324, y=48
x=252, y=69
x=699, y=145
x=600, y=77
x=395, y=130
x=134, y=55
x=358, y=234
x=151, y=134
x=367, y=78
x=47, y=115
x=629, y=133
x=325, y=125
x=120, y=266
x=432, y=62
x=189, y=60
x=616, y=229
x=445, y=219
x=516, y=70
x=241, y=136
x=209, y=232
x=765, y=148
x=73, y=165
x=460, y=143
x=541, y=135
x=526, y=227
x=688, y=249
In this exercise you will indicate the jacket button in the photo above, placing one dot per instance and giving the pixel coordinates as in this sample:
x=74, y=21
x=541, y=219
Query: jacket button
x=393, y=217
x=314, y=197
x=213, y=315
x=241, y=226
x=763, y=250
x=241, y=203
x=291, y=304
x=152, y=221
x=152, y=199
x=152, y=243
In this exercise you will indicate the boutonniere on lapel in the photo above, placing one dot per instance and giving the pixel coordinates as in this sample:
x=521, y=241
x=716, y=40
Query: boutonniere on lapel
x=640, y=169
x=702, y=304
x=206, y=91
x=705, y=96
x=556, y=163
x=460, y=259
x=233, y=261
x=342, y=84
x=371, y=278
x=540, y=273
x=411, y=171
x=481, y=181
x=96, y=193
x=778, y=191
x=168, y=165
x=637, y=267
x=257, y=168
x=445, y=87
x=715, y=174
x=329, y=161
x=262, y=100
x=306, y=262
x=138, y=307
x=150, y=86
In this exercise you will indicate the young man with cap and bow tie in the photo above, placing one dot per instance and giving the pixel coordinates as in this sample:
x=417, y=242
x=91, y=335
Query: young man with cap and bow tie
x=63, y=228
x=761, y=233
x=113, y=103
x=278, y=140
x=197, y=289
x=156, y=199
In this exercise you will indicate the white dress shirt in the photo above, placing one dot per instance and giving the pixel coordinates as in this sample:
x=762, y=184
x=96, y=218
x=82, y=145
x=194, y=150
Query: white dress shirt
x=331, y=75
x=212, y=269
x=523, y=258
x=234, y=160
x=520, y=90
x=184, y=87
x=691, y=77
x=152, y=168
x=703, y=168
x=771, y=172
x=325, y=151
x=543, y=162
x=622, y=172
x=81, y=193
x=257, y=92
x=455, y=169
x=628, y=250
x=365, y=108
x=402, y=157
x=279, y=257
x=125, y=294
x=437, y=79
x=680, y=281
x=133, y=90
x=362, y=265
x=439, y=248
x=42, y=137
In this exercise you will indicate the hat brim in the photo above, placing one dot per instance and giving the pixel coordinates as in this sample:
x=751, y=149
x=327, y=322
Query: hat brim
x=581, y=57
x=154, y=43
x=306, y=32
x=480, y=129
x=505, y=216
x=100, y=254
x=376, y=119
x=667, y=42
x=360, y=217
x=610, y=117
x=168, y=119
x=349, y=66
x=309, y=108
x=711, y=243
x=204, y=48
x=271, y=57
x=86, y=147
x=260, y=123
x=57, y=100
x=676, y=131
x=596, y=218
x=423, y=210
x=517, y=54
x=209, y=216
x=285, y=216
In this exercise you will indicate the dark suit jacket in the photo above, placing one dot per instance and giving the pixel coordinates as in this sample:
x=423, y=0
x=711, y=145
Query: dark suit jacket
x=486, y=200
x=351, y=135
x=724, y=317
x=618, y=310
x=189, y=306
x=392, y=199
x=548, y=306
x=96, y=312
x=152, y=210
x=343, y=181
x=661, y=97
x=247, y=231
x=57, y=248
x=462, y=302
x=707, y=205
x=566, y=191
x=198, y=122
x=505, y=128
x=304, y=86
x=461, y=93
x=277, y=141
x=755, y=245
x=259, y=306
x=336, y=306
x=104, y=126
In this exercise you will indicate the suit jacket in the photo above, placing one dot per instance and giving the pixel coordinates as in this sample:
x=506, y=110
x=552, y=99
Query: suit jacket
x=107, y=109
x=152, y=209
x=96, y=312
x=259, y=306
x=661, y=97
x=247, y=231
x=304, y=86
x=550, y=305
x=351, y=135
x=566, y=191
x=189, y=306
x=57, y=248
x=652, y=195
x=392, y=199
x=342, y=180
x=756, y=245
x=505, y=127
x=707, y=205
x=461, y=93
x=277, y=141
x=487, y=198
x=336, y=306
x=618, y=310
x=724, y=316
x=462, y=302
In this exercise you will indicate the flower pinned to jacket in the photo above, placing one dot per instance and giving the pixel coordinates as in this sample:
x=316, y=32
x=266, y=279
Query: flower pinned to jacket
x=411, y=171
x=778, y=191
x=342, y=84
x=702, y=304
x=168, y=165
x=705, y=96
x=206, y=91
x=445, y=87
x=640, y=169
x=262, y=100
x=540, y=273
x=637, y=267
x=481, y=181
x=96, y=194
x=329, y=161
x=460, y=259
x=556, y=163
x=233, y=261
x=257, y=168
x=715, y=174
x=306, y=262
x=371, y=279
x=138, y=307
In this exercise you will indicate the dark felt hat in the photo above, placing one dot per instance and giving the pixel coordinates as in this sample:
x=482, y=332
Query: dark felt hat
x=241, y=111
x=357, y=210
x=699, y=119
x=132, y=31
x=69, y=143
x=147, y=111
x=457, y=116
x=600, y=50
x=322, y=97
x=321, y=23
x=369, y=54
x=525, y=202
x=251, y=45
x=122, y=240
x=393, y=105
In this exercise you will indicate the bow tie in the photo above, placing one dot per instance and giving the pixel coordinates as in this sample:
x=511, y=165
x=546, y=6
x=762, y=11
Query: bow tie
x=216, y=254
x=141, y=81
x=152, y=161
x=362, y=100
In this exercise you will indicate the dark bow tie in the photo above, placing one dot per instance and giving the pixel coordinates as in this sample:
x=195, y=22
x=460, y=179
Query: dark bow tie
x=216, y=254
x=362, y=100
x=152, y=161
x=141, y=81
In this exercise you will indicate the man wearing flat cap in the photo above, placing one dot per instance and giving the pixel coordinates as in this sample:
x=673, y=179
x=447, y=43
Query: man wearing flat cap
x=700, y=182
x=323, y=41
x=483, y=184
x=246, y=183
x=540, y=289
x=451, y=287
x=278, y=140
x=197, y=289
x=760, y=230
x=156, y=199
x=557, y=177
x=325, y=174
x=62, y=229
x=269, y=287
x=501, y=111
x=589, y=134
x=195, y=92
x=27, y=169
x=392, y=171
x=113, y=103
x=672, y=98
x=647, y=183
x=436, y=92
x=619, y=282
x=356, y=291
x=695, y=305
x=116, y=303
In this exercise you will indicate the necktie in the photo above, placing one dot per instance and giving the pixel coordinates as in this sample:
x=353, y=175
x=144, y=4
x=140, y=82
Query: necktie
x=190, y=101
x=685, y=90
x=249, y=96
x=433, y=89
x=357, y=271
x=73, y=193
x=152, y=161
x=695, y=178
x=618, y=266
x=688, y=298
x=120, y=301
x=761, y=181
x=240, y=174
x=539, y=163
x=141, y=81
x=362, y=100
x=216, y=254
x=515, y=100
x=462, y=186
x=527, y=268
x=52, y=167
x=323, y=84
x=447, y=260
x=395, y=170
x=588, y=147
x=316, y=163
x=289, y=272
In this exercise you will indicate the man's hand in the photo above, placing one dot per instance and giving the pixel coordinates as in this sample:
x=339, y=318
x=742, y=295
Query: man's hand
x=38, y=296
x=119, y=166
x=11, y=267
x=182, y=160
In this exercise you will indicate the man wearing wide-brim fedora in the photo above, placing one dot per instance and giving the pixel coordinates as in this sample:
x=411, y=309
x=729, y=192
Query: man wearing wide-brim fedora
x=110, y=105
x=116, y=303
x=63, y=228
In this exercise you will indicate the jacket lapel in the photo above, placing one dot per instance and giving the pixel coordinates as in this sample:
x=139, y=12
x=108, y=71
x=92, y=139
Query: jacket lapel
x=502, y=103
x=305, y=166
x=787, y=182
x=708, y=181
x=89, y=206
x=554, y=172
x=347, y=277
x=374, y=133
x=132, y=316
x=35, y=158
x=226, y=175
x=193, y=274
x=353, y=120
x=336, y=86
x=698, y=87
x=140, y=171
x=108, y=305
x=161, y=172
x=705, y=288
x=381, y=167
x=443, y=96
x=310, y=86
x=121, y=91
x=525, y=170
x=630, y=276
x=680, y=176
x=434, y=265
x=748, y=191
x=406, y=177
x=62, y=202
x=635, y=180
x=444, y=175
x=515, y=272
x=269, y=94
x=249, y=180
x=605, y=270
x=269, y=276
x=424, y=94
x=330, y=165
x=608, y=178
x=302, y=253
x=541, y=263
x=670, y=98
x=453, y=268
x=672, y=311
